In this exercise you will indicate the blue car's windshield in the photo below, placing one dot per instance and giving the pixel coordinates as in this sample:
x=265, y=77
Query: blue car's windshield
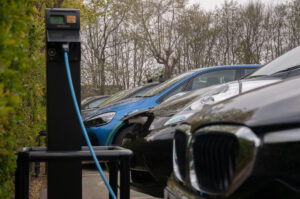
x=114, y=98
x=288, y=60
x=163, y=86
x=126, y=94
x=94, y=103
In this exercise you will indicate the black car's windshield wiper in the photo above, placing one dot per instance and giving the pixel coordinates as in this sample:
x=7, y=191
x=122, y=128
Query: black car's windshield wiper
x=288, y=69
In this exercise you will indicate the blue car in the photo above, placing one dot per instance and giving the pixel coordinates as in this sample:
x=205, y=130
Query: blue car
x=104, y=125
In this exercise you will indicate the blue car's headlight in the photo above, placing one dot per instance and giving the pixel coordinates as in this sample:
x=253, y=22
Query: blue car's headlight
x=99, y=119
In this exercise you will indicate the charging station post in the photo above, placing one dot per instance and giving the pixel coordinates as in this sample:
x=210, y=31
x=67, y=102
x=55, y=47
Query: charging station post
x=64, y=134
x=64, y=152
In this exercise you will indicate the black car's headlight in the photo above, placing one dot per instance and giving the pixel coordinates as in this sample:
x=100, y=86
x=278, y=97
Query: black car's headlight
x=99, y=119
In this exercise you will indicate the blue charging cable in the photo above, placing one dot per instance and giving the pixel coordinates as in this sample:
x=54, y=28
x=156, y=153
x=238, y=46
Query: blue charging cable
x=83, y=127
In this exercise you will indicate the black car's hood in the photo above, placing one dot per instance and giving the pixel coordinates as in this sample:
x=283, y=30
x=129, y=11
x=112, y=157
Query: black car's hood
x=178, y=110
x=216, y=93
x=171, y=107
x=274, y=105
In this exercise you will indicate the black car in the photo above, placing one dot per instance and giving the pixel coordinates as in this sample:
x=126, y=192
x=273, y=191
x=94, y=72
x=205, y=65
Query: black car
x=243, y=147
x=152, y=131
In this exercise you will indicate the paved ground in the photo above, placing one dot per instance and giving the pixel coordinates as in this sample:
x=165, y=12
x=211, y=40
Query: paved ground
x=94, y=187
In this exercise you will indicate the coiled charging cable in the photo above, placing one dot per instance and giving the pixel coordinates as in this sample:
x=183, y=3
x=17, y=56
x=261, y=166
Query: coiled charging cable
x=65, y=47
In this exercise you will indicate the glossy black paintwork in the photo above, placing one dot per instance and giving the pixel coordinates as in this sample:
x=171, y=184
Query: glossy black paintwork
x=158, y=132
x=266, y=110
x=272, y=105
x=158, y=140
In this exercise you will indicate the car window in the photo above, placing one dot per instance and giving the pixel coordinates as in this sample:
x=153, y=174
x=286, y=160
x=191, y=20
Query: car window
x=115, y=97
x=212, y=78
x=120, y=95
x=86, y=100
x=94, y=103
x=142, y=91
x=163, y=86
x=247, y=71
x=174, y=91
x=286, y=61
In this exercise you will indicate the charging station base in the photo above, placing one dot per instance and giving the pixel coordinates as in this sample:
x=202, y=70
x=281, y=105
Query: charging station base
x=114, y=155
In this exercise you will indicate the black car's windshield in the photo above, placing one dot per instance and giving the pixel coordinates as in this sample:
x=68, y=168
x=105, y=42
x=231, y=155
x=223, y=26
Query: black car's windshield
x=289, y=60
x=163, y=86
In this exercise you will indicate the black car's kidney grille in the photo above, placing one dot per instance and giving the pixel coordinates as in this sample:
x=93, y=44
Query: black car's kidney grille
x=180, y=149
x=214, y=160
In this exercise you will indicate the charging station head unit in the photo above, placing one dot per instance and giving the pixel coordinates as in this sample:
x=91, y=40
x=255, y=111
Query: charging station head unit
x=63, y=25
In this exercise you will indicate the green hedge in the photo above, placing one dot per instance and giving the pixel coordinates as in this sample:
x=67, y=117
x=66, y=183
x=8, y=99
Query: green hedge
x=22, y=87
x=22, y=79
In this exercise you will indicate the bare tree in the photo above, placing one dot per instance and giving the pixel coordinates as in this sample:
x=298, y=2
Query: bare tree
x=96, y=38
x=128, y=41
x=157, y=20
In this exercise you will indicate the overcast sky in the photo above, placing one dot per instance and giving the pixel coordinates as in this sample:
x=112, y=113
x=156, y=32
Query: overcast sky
x=211, y=4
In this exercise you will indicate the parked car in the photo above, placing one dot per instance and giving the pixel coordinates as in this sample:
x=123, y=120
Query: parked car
x=129, y=93
x=104, y=125
x=121, y=95
x=92, y=102
x=85, y=100
x=245, y=147
x=152, y=131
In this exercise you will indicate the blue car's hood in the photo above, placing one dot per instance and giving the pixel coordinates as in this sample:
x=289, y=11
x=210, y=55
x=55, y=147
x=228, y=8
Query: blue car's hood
x=127, y=104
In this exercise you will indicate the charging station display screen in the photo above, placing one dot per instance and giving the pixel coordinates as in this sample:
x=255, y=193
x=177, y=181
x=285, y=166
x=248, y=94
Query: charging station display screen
x=56, y=19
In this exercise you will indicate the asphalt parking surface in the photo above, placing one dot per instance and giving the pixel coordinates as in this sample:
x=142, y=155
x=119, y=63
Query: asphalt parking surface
x=94, y=187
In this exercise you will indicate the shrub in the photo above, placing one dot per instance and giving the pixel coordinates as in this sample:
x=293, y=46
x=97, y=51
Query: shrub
x=22, y=87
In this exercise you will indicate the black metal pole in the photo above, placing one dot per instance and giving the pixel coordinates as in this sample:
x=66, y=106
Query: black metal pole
x=124, y=178
x=113, y=177
x=22, y=177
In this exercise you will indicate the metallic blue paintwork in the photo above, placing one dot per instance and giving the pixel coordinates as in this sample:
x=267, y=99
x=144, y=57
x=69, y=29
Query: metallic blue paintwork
x=129, y=106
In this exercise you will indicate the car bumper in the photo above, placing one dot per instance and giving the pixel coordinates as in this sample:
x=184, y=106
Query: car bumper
x=176, y=190
x=105, y=134
x=151, y=164
x=154, y=153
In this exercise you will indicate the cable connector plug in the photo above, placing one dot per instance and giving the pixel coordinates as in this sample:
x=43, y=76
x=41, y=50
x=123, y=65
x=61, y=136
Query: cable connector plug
x=65, y=47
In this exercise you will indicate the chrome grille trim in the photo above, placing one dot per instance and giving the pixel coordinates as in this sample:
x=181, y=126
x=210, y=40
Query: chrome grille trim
x=234, y=145
x=180, y=143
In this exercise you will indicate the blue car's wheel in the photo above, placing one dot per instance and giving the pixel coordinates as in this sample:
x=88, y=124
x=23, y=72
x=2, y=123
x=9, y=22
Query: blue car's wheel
x=124, y=135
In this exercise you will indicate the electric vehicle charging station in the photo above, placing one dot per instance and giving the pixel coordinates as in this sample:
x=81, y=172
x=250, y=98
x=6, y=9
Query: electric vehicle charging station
x=64, y=151
x=64, y=133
